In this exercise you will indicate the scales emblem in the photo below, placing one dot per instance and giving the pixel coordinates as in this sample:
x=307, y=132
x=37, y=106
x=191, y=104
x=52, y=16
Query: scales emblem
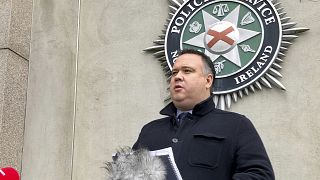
x=220, y=9
x=246, y=41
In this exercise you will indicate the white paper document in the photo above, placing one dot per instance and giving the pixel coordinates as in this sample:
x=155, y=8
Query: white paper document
x=166, y=155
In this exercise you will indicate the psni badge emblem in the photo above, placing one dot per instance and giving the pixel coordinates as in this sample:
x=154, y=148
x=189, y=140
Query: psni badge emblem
x=246, y=41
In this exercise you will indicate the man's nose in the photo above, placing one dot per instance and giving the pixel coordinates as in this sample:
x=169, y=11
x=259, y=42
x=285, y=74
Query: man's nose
x=178, y=76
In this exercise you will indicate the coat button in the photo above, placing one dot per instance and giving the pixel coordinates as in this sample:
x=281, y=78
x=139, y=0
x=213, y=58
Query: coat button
x=175, y=140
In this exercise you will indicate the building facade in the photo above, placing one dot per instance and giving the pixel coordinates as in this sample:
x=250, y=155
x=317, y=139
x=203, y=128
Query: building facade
x=76, y=85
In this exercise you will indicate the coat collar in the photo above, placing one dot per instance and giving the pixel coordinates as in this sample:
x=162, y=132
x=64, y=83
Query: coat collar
x=199, y=109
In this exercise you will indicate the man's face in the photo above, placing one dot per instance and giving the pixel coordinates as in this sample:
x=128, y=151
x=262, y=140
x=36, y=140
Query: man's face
x=188, y=84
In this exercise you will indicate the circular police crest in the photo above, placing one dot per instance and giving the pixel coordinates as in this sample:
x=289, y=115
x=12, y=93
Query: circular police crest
x=244, y=39
x=241, y=39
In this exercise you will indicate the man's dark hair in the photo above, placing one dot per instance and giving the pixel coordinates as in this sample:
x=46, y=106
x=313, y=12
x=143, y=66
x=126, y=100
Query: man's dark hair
x=208, y=65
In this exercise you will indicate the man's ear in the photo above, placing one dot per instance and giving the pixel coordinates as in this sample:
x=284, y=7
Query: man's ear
x=209, y=80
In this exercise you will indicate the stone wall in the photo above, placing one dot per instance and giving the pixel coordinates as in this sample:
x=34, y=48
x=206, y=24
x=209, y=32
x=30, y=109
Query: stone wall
x=15, y=28
x=91, y=88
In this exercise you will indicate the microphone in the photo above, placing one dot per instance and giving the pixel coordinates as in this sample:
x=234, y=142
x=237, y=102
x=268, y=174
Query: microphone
x=135, y=165
x=9, y=173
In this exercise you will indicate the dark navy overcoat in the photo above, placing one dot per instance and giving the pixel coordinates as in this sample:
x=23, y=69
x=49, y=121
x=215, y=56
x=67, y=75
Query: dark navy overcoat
x=210, y=144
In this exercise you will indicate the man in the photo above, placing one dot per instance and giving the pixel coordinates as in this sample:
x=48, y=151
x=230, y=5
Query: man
x=207, y=143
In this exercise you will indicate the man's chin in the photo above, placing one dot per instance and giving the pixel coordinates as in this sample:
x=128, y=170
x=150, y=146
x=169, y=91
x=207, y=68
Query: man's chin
x=178, y=97
x=182, y=105
x=178, y=100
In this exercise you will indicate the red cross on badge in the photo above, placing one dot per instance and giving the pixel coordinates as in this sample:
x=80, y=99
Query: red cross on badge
x=217, y=36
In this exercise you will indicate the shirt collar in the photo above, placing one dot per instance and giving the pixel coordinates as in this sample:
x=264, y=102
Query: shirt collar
x=179, y=112
x=200, y=109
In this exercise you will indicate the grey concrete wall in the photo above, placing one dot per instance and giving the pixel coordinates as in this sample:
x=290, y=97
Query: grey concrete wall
x=119, y=87
x=84, y=104
x=48, y=143
x=15, y=20
x=13, y=81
